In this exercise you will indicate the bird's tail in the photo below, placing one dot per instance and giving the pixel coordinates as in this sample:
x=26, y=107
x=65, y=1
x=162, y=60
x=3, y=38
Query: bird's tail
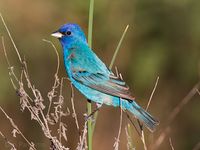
x=149, y=121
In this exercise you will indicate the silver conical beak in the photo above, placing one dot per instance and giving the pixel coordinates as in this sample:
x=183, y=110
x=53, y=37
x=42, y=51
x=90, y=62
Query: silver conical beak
x=57, y=34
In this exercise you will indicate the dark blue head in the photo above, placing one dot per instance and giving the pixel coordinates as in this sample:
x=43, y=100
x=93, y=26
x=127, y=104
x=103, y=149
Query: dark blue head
x=69, y=33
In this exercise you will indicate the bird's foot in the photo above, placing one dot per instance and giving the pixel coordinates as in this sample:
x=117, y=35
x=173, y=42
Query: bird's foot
x=90, y=116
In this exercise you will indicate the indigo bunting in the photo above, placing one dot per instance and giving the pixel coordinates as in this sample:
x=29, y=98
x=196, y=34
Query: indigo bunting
x=91, y=76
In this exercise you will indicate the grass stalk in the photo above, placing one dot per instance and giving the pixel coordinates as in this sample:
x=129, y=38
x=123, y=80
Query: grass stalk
x=118, y=46
x=110, y=67
x=89, y=105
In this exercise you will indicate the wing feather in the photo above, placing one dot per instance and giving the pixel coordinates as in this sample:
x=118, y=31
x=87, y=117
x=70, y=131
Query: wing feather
x=111, y=84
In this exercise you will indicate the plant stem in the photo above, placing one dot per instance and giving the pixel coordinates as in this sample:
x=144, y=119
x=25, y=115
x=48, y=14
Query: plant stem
x=118, y=46
x=90, y=23
x=89, y=105
x=110, y=67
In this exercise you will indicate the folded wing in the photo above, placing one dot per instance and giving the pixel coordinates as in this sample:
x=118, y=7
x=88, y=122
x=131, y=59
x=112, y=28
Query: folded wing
x=111, y=84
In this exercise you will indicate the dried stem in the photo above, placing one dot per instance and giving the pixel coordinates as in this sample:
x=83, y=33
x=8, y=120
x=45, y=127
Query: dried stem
x=198, y=91
x=82, y=145
x=17, y=129
x=5, y=53
x=170, y=143
x=173, y=115
x=148, y=104
x=60, y=114
x=143, y=140
x=10, y=68
x=183, y=102
x=152, y=93
x=197, y=146
x=8, y=142
x=117, y=140
x=17, y=51
x=56, y=51
x=110, y=67
x=74, y=115
x=51, y=94
x=34, y=104
x=118, y=47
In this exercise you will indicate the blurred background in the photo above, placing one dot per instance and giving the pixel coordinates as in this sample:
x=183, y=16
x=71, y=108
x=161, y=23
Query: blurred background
x=162, y=40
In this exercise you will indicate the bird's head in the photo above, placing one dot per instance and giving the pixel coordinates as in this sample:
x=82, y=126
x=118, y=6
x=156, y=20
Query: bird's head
x=69, y=33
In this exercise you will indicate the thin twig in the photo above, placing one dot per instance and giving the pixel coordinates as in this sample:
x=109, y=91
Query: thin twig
x=57, y=55
x=110, y=67
x=17, y=51
x=5, y=53
x=198, y=91
x=148, y=104
x=170, y=143
x=116, y=144
x=51, y=94
x=83, y=139
x=197, y=146
x=152, y=93
x=34, y=105
x=8, y=142
x=184, y=101
x=118, y=47
x=73, y=108
x=10, y=68
x=173, y=115
x=21, y=90
x=18, y=130
x=143, y=139
x=60, y=115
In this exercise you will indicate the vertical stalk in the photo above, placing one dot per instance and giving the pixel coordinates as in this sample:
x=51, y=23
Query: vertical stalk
x=90, y=23
x=89, y=105
x=110, y=67
x=117, y=48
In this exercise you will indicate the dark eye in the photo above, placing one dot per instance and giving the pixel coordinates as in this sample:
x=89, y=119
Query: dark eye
x=68, y=33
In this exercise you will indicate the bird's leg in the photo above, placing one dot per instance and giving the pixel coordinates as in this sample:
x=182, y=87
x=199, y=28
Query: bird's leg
x=94, y=111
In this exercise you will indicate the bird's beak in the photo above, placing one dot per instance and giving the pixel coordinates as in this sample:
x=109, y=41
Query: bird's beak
x=57, y=34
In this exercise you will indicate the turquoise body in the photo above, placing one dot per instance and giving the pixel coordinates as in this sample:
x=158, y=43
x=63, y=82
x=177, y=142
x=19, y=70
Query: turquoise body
x=93, y=79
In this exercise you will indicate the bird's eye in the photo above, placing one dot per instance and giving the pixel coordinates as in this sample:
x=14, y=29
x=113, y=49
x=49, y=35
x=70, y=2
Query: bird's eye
x=68, y=33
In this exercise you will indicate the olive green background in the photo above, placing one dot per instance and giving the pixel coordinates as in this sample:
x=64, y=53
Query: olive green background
x=163, y=40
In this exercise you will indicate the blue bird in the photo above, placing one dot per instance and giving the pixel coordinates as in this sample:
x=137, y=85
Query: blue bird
x=91, y=76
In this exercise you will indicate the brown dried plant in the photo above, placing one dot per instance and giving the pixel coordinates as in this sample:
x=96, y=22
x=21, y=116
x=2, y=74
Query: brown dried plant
x=34, y=103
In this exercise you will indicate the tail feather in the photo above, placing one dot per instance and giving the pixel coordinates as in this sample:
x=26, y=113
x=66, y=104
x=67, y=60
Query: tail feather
x=149, y=121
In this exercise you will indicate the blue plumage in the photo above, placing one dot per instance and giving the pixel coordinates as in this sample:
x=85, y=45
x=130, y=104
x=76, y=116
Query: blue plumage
x=91, y=76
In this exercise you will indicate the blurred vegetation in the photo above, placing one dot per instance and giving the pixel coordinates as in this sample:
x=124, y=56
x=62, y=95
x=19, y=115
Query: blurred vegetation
x=163, y=40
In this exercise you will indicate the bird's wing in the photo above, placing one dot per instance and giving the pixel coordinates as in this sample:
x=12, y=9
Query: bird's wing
x=111, y=84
